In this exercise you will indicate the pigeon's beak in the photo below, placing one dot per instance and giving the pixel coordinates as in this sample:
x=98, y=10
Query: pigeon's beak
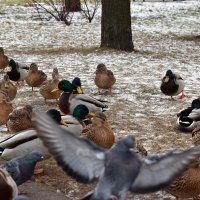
x=63, y=123
x=79, y=90
x=9, y=69
x=55, y=89
x=166, y=79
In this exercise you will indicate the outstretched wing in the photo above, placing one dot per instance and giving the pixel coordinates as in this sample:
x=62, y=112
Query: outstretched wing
x=160, y=170
x=77, y=156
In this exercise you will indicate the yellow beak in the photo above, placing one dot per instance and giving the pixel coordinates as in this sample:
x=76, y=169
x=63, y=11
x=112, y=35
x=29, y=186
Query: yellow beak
x=9, y=69
x=63, y=122
x=55, y=89
x=90, y=115
x=79, y=90
x=166, y=79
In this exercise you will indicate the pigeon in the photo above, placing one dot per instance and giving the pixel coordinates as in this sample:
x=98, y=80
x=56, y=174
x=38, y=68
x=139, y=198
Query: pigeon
x=22, y=168
x=8, y=187
x=118, y=169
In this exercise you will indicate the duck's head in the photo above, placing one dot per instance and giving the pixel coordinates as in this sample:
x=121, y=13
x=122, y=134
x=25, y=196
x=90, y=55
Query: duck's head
x=169, y=74
x=196, y=103
x=81, y=112
x=33, y=67
x=101, y=68
x=55, y=74
x=64, y=86
x=12, y=65
x=56, y=116
x=76, y=83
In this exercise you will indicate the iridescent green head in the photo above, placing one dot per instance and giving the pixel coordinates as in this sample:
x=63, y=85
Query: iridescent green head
x=196, y=103
x=81, y=111
x=65, y=86
x=76, y=83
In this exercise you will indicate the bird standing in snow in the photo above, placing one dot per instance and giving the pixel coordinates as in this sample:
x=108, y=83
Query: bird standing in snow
x=118, y=169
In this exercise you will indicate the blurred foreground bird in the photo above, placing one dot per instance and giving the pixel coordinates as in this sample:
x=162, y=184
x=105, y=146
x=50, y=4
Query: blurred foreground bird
x=8, y=187
x=3, y=59
x=118, y=169
x=22, y=168
x=189, y=118
x=21, y=198
x=172, y=84
x=104, y=78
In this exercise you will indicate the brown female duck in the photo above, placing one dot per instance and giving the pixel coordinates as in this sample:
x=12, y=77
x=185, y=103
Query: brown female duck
x=104, y=78
x=20, y=119
x=100, y=131
x=49, y=85
x=35, y=77
x=3, y=59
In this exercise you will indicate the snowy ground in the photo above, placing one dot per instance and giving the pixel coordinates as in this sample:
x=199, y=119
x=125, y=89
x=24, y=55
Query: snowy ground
x=166, y=35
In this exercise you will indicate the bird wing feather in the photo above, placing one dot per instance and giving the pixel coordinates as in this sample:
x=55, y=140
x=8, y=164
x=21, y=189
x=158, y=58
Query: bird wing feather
x=159, y=171
x=77, y=156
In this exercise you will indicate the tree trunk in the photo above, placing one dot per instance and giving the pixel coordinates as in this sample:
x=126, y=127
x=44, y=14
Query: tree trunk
x=116, y=25
x=73, y=5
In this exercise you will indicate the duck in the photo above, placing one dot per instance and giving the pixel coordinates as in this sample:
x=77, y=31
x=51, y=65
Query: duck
x=17, y=72
x=5, y=108
x=104, y=78
x=20, y=119
x=7, y=86
x=35, y=77
x=1, y=50
x=49, y=85
x=77, y=86
x=172, y=84
x=187, y=185
x=4, y=61
x=189, y=118
x=8, y=187
x=100, y=131
x=76, y=122
x=20, y=144
x=68, y=100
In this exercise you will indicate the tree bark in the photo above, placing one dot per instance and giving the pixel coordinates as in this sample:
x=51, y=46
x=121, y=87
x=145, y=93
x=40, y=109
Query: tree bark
x=116, y=25
x=73, y=5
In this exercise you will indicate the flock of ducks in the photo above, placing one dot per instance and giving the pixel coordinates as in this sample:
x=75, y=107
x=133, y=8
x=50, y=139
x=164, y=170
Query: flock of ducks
x=81, y=114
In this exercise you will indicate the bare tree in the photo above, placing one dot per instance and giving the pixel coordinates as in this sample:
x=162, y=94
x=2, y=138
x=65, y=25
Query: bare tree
x=54, y=8
x=89, y=8
x=116, y=25
x=73, y=5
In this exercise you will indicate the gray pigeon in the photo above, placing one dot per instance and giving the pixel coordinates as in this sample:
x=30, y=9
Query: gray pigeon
x=119, y=169
x=21, y=168
x=21, y=198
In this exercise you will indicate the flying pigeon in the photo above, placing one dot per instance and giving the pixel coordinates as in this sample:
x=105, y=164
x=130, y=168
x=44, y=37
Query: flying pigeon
x=119, y=169
x=21, y=168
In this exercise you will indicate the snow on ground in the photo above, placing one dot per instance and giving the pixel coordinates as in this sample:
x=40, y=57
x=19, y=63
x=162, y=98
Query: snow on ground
x=166, y=35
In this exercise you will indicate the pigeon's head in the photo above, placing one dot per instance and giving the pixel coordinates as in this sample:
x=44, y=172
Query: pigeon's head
x=34, y=157
x=127, y=143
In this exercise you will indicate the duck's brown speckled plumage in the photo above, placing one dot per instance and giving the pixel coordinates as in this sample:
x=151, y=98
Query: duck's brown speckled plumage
x=49, y=85
x=104, y=78
x=8, y=87
x=4, y=61
x=100, y=131
x=35, y=77
x=20, y=119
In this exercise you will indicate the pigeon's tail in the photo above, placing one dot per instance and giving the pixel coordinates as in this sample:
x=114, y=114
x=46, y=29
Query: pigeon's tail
x=1, y=150
x=88, y=196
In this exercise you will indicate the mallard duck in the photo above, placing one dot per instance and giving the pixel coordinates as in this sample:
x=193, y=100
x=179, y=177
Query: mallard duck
x=76, y=84
x=172, y=84
x=4, y=61
x=68, y=100
x=48, y=86
x=20, y=119
x=189, y=118
x=104, y=78
x=17, y=72
x=5, y=108
x=100, y=131
x=8, y=187
x=35, y=77
x=75, y=122
x=20, y=144
x=7, y=86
